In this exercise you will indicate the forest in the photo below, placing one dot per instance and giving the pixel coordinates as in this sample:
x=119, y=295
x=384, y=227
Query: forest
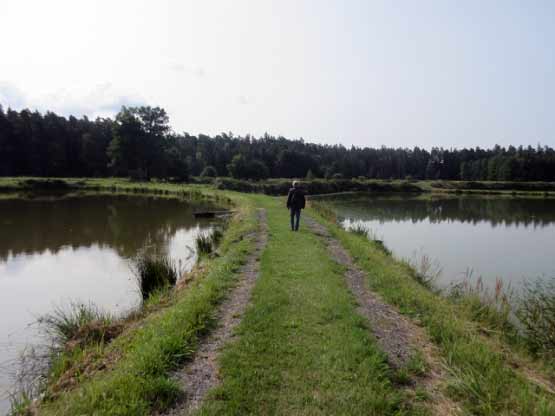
x=139, y=143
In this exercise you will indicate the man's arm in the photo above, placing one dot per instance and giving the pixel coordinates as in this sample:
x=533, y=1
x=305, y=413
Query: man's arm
x=289, y=198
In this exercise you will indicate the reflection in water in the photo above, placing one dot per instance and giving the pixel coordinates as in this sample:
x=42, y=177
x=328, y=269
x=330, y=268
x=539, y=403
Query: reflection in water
x=510, y=238
x=471, y=209
x=53, y=251
x=123, y=223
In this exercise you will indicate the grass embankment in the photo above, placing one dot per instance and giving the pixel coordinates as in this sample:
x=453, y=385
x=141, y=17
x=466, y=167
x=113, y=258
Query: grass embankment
x=330, y=186
x=302, y=349
x=130, y=376
x=480, y=364
x=280, y=186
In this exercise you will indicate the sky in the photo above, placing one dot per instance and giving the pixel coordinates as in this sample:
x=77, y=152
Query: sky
x=398, y=73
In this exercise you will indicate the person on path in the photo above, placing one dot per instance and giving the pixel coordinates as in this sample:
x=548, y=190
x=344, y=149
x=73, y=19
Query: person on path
x=295, y=202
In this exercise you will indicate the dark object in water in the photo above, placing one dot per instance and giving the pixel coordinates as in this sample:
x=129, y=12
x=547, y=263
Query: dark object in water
x=211, y=214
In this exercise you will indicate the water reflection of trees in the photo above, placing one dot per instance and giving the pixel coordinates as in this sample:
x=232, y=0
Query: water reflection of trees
x=496, y=211
x=124, y=223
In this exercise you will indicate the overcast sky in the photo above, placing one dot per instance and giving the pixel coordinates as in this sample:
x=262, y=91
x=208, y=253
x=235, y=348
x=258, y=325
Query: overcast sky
x=368, y=73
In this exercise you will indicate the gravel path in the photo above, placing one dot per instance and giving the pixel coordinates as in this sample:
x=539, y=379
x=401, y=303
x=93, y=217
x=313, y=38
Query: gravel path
x=396, y=335
x=201, y=374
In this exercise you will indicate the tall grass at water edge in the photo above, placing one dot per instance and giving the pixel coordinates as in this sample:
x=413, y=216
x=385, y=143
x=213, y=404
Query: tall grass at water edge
x=154, y=272
x=536, y=313
x=68, y=330
x=81, y=322
x=526, y=316
x=359, y=228
x=492, y=306
x=207, y=243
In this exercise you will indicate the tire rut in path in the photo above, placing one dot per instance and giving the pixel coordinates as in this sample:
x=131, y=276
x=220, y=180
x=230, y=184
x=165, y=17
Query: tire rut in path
x=396, y=335
x=201, y=374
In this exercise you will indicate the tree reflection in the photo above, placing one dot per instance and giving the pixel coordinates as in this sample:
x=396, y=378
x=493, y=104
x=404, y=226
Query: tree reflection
x=496, y=211
x=124, y=223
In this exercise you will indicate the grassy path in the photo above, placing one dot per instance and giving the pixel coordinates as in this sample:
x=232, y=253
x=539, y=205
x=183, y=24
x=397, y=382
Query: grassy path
x=302, y=349
x=200, y=374
x=407, y=346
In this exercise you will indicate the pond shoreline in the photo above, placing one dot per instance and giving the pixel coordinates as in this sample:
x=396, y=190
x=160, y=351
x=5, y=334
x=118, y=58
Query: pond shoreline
x=92, y=227
x=275, y=187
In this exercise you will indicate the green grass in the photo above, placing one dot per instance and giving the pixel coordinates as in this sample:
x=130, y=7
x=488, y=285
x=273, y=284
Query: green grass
x=139, y=382
x=302, y=349
x=482, y=379
x=537, y=315
x=65, y=323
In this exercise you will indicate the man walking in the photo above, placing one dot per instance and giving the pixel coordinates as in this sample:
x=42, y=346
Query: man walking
x=295, y=202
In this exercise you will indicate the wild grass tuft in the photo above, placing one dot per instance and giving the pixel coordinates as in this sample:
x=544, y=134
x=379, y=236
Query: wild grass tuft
x=204, y=243
x=536, y=312
x=79, y=323
x=207, y=243
x=359, y=228
x=426, y=270
x=154, y=272
x=493, y=307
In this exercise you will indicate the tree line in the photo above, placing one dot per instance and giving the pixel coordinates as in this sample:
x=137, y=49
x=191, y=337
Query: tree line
x=138, y=142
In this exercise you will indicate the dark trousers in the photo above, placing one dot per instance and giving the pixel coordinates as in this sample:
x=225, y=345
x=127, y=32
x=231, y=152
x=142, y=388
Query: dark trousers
x=295, y=217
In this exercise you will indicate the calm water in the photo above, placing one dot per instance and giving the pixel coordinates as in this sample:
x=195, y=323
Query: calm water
x=57, y=250
x=509, y=238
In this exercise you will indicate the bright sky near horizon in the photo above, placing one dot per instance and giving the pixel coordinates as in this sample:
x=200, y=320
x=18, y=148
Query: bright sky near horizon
x=370, y=73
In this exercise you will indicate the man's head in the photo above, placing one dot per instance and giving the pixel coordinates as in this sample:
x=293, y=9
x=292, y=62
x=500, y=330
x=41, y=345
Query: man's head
x=295, y=184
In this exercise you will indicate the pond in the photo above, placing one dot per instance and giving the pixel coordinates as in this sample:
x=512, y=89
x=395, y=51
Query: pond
x=487, y=237
x=57, y=250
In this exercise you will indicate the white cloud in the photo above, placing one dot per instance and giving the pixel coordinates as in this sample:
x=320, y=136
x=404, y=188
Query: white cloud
x=11, y=95
x=103, y=100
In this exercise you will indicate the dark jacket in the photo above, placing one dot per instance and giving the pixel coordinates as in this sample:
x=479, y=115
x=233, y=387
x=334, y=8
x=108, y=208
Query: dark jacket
x=296, y=199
